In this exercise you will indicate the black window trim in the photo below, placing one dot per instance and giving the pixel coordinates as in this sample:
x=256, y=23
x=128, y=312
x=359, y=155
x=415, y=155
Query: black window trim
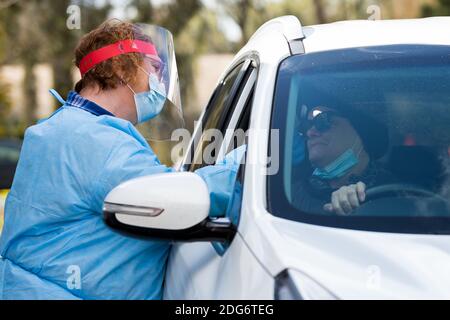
x=247, y=64
x=221, y=248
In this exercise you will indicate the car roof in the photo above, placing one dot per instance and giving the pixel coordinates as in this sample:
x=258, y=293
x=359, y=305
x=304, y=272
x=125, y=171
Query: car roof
x=280, y=37
x=365, y=33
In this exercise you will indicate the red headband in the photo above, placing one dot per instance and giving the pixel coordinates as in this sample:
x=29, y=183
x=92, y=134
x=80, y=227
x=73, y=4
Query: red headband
x=118, y=48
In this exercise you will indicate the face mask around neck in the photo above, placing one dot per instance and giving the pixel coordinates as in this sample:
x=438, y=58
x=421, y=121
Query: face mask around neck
x=339, y=167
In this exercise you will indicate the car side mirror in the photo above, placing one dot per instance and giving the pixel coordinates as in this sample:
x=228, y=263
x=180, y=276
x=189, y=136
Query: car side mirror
x=169, y=206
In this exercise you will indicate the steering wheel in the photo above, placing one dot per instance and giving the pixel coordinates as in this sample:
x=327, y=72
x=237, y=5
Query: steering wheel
x=401, y=190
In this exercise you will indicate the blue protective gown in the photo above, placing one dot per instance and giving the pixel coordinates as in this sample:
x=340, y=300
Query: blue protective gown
x=55, y=244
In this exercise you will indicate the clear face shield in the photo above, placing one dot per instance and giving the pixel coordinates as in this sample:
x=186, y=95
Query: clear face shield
x=159, y=109
x=163, y=65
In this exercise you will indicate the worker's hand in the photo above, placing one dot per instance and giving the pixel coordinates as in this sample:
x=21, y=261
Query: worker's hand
x=346, y=199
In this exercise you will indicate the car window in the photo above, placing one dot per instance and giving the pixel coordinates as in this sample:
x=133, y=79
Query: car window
x=217, y=115
x=240, y=133
x=377, y=116
x=237, y=130
x=238, y=127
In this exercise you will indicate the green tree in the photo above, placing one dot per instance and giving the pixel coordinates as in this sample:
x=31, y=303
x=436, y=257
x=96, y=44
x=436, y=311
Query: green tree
x=174, y=16
x=442, y=8
x=24, y=41
x=246, y=14
x=62, y=40
x=249, y=15
x=320, y=11
x=5, y=107
x=202, y=35
x=35, y=36
x=144, y=10
x=5, y=103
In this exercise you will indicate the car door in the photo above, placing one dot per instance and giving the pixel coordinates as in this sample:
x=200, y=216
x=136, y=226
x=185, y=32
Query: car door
x=216, y=270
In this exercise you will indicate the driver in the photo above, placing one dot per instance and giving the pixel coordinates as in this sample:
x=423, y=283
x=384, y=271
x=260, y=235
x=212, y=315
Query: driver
x=343, y=147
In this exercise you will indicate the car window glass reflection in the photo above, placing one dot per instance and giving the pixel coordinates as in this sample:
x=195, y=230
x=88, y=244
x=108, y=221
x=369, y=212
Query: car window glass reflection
x=370, y=139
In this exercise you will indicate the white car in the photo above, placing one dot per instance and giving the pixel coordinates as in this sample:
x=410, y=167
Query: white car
x=393, y=74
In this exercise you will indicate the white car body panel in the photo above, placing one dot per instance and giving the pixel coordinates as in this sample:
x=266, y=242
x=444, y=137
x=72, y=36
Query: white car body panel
x=196, y=272
x=356, y=264
x=364, y=33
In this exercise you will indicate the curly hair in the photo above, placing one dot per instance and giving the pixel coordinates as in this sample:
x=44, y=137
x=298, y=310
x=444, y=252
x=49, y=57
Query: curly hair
x=113, y=72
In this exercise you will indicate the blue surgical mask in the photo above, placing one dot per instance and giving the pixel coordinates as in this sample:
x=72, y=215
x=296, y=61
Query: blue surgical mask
x=339, y=167
x=150, y=103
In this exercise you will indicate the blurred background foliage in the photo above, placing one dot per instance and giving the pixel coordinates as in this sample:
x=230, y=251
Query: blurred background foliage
x=35, y=31
x=441, y=8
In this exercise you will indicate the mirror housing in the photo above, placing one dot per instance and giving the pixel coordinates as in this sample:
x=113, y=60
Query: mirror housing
x=169, y=206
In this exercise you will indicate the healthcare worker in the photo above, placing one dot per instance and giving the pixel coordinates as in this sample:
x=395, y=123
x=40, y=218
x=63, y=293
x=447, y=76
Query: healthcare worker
x=54, y=243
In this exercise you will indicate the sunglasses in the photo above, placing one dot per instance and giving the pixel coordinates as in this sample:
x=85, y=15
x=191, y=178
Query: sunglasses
x=157, y=64
x=322, y=122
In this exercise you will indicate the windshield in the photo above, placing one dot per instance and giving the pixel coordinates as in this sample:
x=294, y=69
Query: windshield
x=365, y=139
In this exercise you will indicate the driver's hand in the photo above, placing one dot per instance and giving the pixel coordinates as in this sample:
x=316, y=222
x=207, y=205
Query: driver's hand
x=346, y=199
